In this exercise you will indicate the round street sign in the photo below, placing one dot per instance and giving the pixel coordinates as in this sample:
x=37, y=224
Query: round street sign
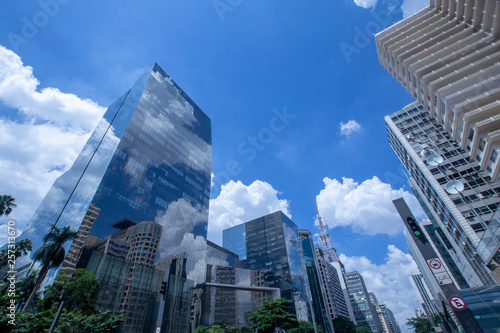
x=435, y=264
x=158, y=329
x=457, y=303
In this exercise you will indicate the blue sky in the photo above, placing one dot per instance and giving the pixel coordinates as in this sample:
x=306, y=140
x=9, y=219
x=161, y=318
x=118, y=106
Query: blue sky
x=294, y=90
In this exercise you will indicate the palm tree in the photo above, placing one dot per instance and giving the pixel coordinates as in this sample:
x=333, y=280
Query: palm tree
x=22, y=248
x=6, y=204
x=51, y=254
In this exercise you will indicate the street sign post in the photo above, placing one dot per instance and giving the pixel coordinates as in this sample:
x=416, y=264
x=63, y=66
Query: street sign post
x=448, y=288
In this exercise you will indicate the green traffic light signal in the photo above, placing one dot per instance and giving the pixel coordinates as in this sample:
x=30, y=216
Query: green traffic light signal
x=417, y=233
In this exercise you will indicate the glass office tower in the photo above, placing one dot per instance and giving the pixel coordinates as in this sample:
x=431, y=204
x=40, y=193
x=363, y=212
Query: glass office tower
x=270, y=248
x=364, y=311
x=316, y=286
x=138, y=196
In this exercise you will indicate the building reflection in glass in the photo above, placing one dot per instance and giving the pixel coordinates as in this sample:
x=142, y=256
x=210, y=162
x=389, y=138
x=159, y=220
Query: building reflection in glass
x=269, y=248
x=148, y=160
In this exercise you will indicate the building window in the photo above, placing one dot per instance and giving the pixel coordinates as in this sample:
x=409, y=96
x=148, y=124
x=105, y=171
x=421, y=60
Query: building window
x=471, y=134
x=494, y=155
x=481, y=144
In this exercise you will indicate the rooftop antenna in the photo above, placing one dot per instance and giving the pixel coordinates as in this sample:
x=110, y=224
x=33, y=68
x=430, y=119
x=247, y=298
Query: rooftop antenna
x=328, y=249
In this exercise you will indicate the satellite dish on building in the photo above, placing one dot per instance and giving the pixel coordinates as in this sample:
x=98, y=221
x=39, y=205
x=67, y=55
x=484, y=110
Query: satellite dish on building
x=426, y=152
x=454, y=187
x=434, y=159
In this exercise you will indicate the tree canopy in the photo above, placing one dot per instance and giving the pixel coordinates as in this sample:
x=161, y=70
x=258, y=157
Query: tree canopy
x=343, y=325
x=420, y=324
x=82, y=319
x=273, y=314
x=305, y=327
x=51, y=254
x=6, y=204
x=363, y=329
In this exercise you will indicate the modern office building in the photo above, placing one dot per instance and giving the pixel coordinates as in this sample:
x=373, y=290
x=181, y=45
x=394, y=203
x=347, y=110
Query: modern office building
x=364, y=311
x=381, y=316
x=336, y=295
x=424, y=295
x=446, y=55
x=230, y=291
x=149, y=159
x=484, y=304
x=270, y=244
x=459, y=199
x=390, y=319
x=317, y=288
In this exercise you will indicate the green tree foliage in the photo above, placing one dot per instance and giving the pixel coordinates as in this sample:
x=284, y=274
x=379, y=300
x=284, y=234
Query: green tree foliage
x=305, y=327
x=77, y=322
x=51, y=254
x=6, y=204
x=362, y=329
x=420, y=324
x=343, y=325
x=273, y=314
x=53, y=293
x=21, y=248
x=221, y=328
x=436, y=319
x=83, y=289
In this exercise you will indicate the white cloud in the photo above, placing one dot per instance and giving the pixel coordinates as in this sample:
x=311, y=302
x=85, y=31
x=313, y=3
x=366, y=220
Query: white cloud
x=389, y=281
x=411, y=6
x=366, y=3
x=350, y=127
x=366, y=208
x=50, y=130
x=238, y=203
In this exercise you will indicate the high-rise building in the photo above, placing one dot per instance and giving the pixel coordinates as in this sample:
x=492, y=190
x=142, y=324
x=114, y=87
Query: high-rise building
x=316, y=286
x=364, y=311
x=381, y=316
x=446, y=55
x=270, y=244
x=457, y=197
x=385, y=316
x=336, y=295
x=149, y=160
x=424, y=295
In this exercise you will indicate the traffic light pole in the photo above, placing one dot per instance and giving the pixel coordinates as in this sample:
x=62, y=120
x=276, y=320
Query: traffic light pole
x=450, y=293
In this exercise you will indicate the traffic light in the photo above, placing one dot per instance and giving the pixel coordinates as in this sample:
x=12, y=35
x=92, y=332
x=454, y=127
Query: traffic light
x=414, y=226
x=163, y=290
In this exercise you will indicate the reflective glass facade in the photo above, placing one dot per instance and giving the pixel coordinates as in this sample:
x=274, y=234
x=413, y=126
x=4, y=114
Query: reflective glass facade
x=270, y=243
x=316, y=286
x=364, y=311
x=138, y=196
x=232, y=293
x=484, y=304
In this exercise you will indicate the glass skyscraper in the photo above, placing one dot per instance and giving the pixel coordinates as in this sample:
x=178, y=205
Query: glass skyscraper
x=364, y=311
x=317, y=288
x=270, y=245
x=138, y=196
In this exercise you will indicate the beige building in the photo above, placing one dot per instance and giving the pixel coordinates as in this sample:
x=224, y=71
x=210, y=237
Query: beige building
x=447, y=56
